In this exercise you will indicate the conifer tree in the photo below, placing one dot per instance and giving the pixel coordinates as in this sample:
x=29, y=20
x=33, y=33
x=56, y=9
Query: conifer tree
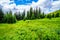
x=39, y=12
x=43, y=15
x=33, y=17
x=1, y=16
x=28, y=15
x=31, y=12
x=5, y=18
x=9, y=18
x=18, y=16
x=23, y=15
x=35, y=14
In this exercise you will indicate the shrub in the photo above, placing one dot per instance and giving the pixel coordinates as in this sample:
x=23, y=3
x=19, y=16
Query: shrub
x=53, y=15
x=57, y=15
x=49, y=16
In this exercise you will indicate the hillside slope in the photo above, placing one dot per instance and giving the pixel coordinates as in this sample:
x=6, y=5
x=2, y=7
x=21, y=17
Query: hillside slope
x=55, y=12
x=39, y=29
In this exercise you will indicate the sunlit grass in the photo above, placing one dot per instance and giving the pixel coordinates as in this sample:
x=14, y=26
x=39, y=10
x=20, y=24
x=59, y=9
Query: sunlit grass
x=39, y=29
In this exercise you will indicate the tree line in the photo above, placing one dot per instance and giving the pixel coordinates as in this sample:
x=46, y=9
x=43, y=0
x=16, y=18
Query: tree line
x=31, y=14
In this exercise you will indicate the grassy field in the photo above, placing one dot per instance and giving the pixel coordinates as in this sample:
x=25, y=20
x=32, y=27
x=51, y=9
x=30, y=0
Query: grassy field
x=39, y=29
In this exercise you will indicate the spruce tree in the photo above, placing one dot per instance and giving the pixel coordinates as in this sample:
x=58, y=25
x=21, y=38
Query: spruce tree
x=28, y=15
x=39, y=12
x=1, y=16
x=18, y=16
x=11, y=18
x=43, y=15
x=35, y=14
x=23, y=15
x=31, y=12
x=33, y=17
x=5, y=18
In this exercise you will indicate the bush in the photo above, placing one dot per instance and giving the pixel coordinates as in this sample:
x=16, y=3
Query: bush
x=57, y=15
x=53, y=15
x=49, y=16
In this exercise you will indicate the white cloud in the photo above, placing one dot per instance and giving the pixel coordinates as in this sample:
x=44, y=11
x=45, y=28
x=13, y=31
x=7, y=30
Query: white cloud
x=45, y=5
x=55, y=5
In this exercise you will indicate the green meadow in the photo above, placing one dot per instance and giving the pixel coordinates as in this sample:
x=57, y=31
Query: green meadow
x=38, y=29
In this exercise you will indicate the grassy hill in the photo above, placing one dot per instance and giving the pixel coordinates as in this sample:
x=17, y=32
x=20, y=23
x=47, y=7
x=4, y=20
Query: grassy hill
x=55, y=12
x=58, y=11
x=38, y=29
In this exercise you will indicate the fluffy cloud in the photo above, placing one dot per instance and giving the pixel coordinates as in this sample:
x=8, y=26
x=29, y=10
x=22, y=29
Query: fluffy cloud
x=55, y=5
x=45, y=5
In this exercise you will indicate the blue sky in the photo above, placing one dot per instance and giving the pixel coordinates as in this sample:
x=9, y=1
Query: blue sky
x=20, y=5
x=24, y=2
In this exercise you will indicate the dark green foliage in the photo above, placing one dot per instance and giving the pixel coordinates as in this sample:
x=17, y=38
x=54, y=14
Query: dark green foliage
x=31, y=14
x=39, y=12
x=9, y=18
x=42, y=15
x=5, y=18
x=49, y=16
x=1, y=16
x=58, y=31
x=57, y=15
x=35, y=14
x=32, y=17
x=18, y=16
x=28, y=15
x=23, y=15
x=53, y=15
x=31, y=11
